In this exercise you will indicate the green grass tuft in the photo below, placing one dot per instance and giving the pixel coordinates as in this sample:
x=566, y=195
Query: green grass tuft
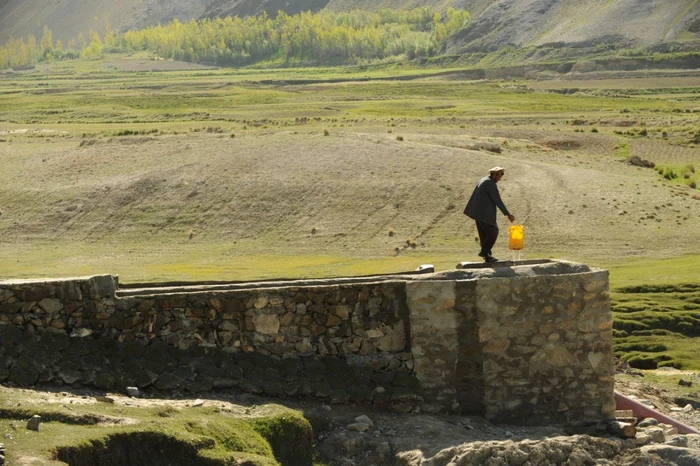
x=657, y=325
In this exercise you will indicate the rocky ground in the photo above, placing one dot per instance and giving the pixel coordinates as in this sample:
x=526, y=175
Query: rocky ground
x=356, y=435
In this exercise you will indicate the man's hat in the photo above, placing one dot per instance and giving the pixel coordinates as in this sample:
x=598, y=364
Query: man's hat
x=497, y=170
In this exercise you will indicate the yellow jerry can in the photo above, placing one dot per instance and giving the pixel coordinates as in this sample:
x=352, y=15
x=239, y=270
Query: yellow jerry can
x=515, y=237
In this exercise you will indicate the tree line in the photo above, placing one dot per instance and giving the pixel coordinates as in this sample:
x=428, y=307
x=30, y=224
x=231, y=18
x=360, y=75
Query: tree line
x=352, y=37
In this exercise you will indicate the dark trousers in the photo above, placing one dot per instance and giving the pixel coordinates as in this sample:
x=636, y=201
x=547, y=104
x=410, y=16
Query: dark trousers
x=488, y=234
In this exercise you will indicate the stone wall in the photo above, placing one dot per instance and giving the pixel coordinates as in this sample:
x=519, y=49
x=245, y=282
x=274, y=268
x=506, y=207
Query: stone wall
x=546, y=345
x=523, y=343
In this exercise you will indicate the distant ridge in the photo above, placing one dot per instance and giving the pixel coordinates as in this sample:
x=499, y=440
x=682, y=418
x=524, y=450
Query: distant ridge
x=243, y=8
x=68, y=18
x=622, y=23
x=495, y=23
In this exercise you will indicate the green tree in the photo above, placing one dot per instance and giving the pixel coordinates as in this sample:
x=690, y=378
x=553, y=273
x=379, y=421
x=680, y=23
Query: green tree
x=95, y=48
x=46, y=42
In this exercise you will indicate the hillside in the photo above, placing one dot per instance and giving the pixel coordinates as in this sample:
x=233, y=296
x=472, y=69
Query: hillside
x=68, y=18
x=495, y=23
x=619, y=23
x=243, y=8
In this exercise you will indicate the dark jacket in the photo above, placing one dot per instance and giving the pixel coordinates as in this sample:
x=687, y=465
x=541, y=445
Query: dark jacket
x=483, y=202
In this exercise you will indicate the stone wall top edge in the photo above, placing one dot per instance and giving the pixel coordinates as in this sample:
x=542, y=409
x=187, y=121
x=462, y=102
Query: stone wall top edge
x=53, y=281
x=147, y=289
x=150, y=294
x=592, y=274
x=551, y=269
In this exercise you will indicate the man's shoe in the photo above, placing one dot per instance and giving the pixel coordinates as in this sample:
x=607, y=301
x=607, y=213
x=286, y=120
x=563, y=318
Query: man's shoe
x=490, y=259
x=483, y=254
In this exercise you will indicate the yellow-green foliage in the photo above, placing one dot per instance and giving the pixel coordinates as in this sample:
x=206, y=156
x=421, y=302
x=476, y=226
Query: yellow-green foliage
x=324, y=37
x=683, y=174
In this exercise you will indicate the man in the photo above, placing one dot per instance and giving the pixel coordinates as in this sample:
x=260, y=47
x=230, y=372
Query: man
x=482, y=208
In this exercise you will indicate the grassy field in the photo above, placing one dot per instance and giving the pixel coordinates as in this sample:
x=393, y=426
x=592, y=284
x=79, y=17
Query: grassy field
x=141, y=169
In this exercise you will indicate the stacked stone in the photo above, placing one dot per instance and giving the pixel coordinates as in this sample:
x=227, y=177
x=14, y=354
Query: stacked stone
x=526, y=344
x=291, y=322
x=54, y=305
x=284, y=323
x=78, y=333
x=111, y=366
x=547, y=348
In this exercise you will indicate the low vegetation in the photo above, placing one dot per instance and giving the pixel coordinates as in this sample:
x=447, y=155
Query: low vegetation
x=115, y=434
x=657, y=325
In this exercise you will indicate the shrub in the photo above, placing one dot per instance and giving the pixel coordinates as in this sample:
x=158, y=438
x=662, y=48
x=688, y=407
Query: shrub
x=642, y=362
x=326, y=133
x=669, y=173
x=399, y=138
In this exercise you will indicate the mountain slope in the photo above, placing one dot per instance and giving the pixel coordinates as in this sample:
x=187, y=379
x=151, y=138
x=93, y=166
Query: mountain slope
x=243, y=8
x=495, y=23
x=539, y=22
x=68, y=18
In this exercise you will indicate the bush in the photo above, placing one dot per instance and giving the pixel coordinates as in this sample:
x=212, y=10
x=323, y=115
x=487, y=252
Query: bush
x=642, y=362
x=669, y=173
x=289, y=435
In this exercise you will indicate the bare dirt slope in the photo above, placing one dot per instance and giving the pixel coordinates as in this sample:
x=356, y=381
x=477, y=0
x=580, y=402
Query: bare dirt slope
x=68, y=18
x=538, y=22
x=351, y=192
x=243, y=8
